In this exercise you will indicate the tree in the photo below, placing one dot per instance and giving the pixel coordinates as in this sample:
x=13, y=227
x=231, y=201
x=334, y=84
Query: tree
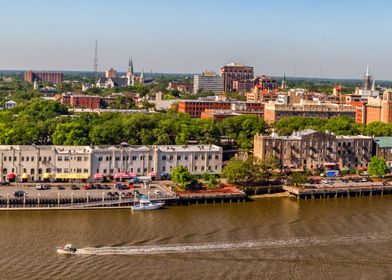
x=267, y=168
x=378, y=166
x=239, y=171
x=182, y=177
x=298, y=178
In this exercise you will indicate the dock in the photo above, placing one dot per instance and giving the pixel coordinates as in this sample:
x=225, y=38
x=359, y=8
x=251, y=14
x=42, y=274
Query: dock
x=339, y=190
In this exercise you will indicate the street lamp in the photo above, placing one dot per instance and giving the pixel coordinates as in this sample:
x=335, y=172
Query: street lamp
x=87, y=198
x=103, y=198
x=8, y=200
x=24, y=200
x=72, y=198
x=38, y=199
x=58, y=199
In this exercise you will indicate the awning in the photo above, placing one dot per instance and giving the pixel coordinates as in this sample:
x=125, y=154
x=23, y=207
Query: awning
x=72, y=176
x=133, y=174
x=98, y=176
x=11, y=175
x=47, y=176
x=25, y=176
x=152, y=174
x=122, y=175
x=329, y=163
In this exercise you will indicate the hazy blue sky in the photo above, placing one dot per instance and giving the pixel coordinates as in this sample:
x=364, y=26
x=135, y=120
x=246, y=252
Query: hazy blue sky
x=331, y=38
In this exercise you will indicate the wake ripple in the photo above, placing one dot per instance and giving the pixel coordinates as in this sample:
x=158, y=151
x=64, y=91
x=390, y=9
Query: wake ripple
x=259, y=244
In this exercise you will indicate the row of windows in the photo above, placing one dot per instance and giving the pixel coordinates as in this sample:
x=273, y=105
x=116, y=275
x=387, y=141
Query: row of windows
x=23, y=158
x=111, y=171
x=201, y=168
x=24, y=170
x=125, y=158
x=186, y=157
x=68, y=158
x=69, y=170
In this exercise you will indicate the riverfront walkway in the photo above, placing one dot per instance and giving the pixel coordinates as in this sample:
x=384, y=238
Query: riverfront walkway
x=339, y=190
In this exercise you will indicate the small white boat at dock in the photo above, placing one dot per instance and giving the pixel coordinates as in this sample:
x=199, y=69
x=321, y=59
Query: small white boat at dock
x=145, y=204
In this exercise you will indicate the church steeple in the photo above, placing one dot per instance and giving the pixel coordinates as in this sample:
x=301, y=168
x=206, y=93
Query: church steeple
x=130, y=66
x=284, y=85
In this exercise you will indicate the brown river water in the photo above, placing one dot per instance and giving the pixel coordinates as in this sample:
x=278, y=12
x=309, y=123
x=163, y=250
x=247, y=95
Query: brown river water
x=275, y=238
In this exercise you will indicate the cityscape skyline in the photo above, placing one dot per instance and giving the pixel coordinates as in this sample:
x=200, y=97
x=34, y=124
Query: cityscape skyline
x=321, y=39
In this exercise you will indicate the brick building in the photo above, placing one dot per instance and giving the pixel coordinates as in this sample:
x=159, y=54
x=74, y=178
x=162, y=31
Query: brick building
x=274, y=111
x=51, y=77
x=235, y=72
x=311, y=150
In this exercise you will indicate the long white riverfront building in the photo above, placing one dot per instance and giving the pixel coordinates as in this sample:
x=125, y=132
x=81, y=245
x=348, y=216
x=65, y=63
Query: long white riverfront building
x=69, y=163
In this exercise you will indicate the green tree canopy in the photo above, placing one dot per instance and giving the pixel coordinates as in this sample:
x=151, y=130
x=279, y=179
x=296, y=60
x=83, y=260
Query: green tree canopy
x=378, y=166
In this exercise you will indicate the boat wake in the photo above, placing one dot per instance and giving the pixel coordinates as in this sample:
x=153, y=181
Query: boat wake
x=259, y=244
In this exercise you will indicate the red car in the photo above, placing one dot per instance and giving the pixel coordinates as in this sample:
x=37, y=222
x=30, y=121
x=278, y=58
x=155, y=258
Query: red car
x=86, y=187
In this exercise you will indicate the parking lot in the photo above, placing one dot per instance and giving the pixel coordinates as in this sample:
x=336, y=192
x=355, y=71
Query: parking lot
x=56, y=191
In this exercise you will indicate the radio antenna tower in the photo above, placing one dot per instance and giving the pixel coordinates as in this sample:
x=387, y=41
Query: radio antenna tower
x=96, y=59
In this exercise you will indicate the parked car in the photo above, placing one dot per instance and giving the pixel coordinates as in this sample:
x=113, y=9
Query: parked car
x=5, y=183
x=60, y=188
x=86, y=187
x=20, y=194
x=41, y=187
x=75, y=188
x=157, y=192
x=364, y=179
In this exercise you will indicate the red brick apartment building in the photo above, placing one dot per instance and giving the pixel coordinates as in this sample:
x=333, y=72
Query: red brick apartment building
x=196, y=107
x=235, y=72
x=51, y=77
x=81, y=101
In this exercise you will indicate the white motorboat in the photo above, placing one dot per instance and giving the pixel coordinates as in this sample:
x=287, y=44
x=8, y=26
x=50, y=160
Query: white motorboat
x=67, y=249
x=145, y=204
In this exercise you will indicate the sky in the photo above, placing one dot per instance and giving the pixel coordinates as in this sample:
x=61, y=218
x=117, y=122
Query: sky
x=302, y=38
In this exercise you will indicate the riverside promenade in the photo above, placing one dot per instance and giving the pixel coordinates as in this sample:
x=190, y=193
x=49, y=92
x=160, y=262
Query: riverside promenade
x=336, y=190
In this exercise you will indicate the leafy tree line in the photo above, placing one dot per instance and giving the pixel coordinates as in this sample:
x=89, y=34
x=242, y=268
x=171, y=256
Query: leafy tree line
x=48, y=122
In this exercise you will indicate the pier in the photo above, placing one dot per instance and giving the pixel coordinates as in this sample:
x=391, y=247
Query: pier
x=339, y=191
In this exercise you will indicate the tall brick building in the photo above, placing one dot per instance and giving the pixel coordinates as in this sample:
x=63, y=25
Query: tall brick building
x=51, y=77
x=235, y=72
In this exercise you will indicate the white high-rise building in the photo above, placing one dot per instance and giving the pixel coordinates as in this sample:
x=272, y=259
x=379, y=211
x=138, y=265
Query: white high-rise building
x=208, y=81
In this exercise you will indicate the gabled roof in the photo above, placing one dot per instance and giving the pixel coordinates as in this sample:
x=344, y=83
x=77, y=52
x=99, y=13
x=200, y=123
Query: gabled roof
x=383, y=142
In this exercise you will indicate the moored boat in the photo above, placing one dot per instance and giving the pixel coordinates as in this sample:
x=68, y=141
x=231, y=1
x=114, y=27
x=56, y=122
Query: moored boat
x=145, y=204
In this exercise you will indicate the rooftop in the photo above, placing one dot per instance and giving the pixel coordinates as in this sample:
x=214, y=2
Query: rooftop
x=383, y=142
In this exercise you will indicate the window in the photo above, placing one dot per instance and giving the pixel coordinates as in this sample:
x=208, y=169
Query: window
x=164, y=168
x=149, y=157
x=39, y=170
x=9, y=158
x=66, y=170
x=66, y=158
x=32, y=171
x=216, y=156
x=209, y=156
x=97, y=171
x=85, y=158
x=141, y=157
x=117, y=158
x=105, y=171
x=59, y=170
x=79, y=158
x=107, y=159
x=202, y=168
x=27, y=158
x=196, y=157
x=32, y=158
x=203, y=157
x=178, y=157
x=134, y=158
x=48, y=170
x=22, y=159
x=185, y=157
x=49, y=158
x=145, y=170
x=85, y=170
x=111, y=171
x=44, y=158
x=171, y=158
x=4, y=170
x=59, y=158
x=196, y=168
x=78, y=170
x=163, y=157
x=138, y=170
x=99, y=158
x=5, y=158
x=24, y=170
x=216, y=167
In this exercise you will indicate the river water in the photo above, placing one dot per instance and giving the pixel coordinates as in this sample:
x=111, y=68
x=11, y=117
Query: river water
x=277, y=238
